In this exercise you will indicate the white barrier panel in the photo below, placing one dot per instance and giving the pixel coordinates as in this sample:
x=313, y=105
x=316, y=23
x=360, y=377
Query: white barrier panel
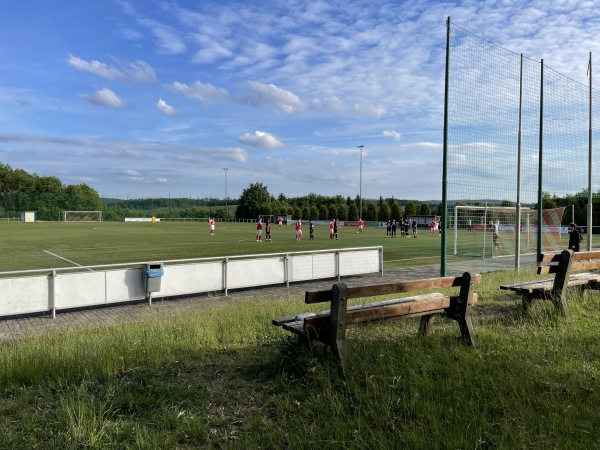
x=353, y=263
x=25, y=295
x=74, y=290
x=312, y=267
x=89, y=286
x=124, y=285
x=324, y=266
x=300, y=267
x=189, y=278
x=255, y=272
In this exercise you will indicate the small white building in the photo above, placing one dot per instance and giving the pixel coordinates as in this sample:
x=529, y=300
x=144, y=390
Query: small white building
x=28, y=216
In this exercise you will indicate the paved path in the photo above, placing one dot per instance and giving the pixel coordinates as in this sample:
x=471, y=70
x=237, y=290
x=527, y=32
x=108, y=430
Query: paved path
x=25, y=326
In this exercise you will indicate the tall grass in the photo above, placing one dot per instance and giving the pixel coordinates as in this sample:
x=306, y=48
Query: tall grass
x=226, y=378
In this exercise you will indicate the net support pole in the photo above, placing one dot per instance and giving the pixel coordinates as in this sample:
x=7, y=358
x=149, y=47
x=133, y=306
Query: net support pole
x=484, y=231
x=455, y=229
x=540, y=166
x=444, y=223
x=589, y=205
x=518, y=218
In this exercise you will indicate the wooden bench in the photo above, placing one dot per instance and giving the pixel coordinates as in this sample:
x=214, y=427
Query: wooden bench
x=555, y=289
x=329, y=327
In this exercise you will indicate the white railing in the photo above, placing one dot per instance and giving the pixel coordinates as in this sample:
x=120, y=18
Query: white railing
x=43, y=290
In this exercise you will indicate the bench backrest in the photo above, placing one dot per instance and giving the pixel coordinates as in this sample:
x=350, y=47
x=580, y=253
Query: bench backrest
x=552, y=263
x=392, y=288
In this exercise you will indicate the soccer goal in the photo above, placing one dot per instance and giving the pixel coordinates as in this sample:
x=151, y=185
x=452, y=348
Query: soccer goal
x=266, y=217
x=491, y=231
x=83, y=216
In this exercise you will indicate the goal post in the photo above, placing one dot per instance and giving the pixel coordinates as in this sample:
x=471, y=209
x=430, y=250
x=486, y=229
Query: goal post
x=82, y=216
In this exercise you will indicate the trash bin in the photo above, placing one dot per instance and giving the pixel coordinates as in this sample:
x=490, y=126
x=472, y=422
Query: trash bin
x=153, y=273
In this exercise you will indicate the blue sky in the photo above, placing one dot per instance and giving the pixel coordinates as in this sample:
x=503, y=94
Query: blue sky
x=155, y=98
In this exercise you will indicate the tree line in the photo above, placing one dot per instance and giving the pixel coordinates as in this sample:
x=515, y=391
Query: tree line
x=256, y=200
x=48, y=196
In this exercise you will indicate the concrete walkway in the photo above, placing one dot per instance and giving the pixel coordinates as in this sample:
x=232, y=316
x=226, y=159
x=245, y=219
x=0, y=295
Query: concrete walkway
x=25, y=326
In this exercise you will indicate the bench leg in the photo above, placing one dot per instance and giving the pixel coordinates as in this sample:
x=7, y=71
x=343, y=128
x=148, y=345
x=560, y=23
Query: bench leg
x=560, y=304
x=561, y=281
x=461, y=311
x=337, y=339
x=467, y=331
x=425, y=325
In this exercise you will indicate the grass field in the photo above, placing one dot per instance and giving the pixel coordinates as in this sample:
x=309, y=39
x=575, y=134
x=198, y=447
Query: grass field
x=41, y=245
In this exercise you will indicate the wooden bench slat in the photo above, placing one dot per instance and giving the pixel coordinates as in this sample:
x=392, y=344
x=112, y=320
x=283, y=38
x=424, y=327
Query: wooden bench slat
x=421, y=306
x=389, y=288
x=547, y=270
x=549, y=257
x=585, y=265
x=525, y=285
x=594, y=254
x=370, y=312
x=547, y=285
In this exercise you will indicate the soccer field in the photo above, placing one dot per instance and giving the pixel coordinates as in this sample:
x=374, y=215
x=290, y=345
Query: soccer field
x=45, y=245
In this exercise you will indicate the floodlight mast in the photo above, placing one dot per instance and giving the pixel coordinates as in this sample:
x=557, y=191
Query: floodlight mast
x=360, y=182
x=226, y=169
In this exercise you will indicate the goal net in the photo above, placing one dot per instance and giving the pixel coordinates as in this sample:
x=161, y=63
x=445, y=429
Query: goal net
x=83, y=216
x=482, y=232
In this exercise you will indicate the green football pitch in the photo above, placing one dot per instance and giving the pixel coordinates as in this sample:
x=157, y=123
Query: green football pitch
x=45, y=245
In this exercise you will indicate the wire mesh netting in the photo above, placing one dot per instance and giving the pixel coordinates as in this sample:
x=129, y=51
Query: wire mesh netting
x=493, y=94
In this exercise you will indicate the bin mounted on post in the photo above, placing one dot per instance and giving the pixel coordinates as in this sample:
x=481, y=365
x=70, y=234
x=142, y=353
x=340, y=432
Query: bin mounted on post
x=153, y=273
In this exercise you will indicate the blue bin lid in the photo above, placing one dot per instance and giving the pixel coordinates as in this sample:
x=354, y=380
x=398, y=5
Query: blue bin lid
x=154, y=273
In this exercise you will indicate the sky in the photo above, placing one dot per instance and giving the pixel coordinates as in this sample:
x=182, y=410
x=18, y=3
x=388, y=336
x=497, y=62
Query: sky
x=149, y=98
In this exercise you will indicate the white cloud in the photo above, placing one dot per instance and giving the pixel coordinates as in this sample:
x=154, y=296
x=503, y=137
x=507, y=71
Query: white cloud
x=269, y=94
x=260, y=139
x=138, y=71
x=167, y=38
x=370, y=110
x=212, y=48
x=329, y=104
x=205, y=92
x=95, y=67
x=137, y=177
x=166, y=108
x=104, y=97
x=395, y=135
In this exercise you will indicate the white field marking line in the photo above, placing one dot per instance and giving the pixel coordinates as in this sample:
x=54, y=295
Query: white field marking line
x=150, y=245
x=65, y=259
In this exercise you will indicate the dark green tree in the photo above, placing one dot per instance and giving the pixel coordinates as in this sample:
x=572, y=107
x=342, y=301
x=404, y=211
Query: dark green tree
x=395, y=211
x=333, y=212
x=314, y=212
x=371, y=211
x=342, y=211
x=323, y=212
x=353, y=212
x=253, y=201
x=384, y=211
x=306, y=212
x=410, y=210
